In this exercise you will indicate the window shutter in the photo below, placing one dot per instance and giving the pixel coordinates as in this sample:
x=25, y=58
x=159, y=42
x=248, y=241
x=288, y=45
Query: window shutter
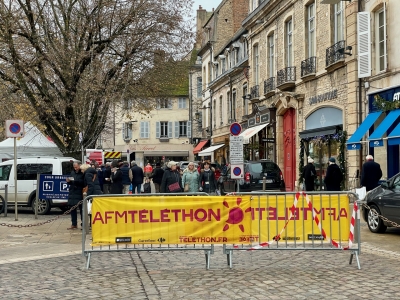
x=170, y=130
x=129, y=133
x=176, y=130
x=157, y=130
x=364, y=44
x=147, y=129
x=385, y=33
x=189, y=129
x=141, y=129
x=170, y=103
x=123, y=130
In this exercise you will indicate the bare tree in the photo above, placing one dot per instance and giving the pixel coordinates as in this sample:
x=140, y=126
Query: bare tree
x=71, y=59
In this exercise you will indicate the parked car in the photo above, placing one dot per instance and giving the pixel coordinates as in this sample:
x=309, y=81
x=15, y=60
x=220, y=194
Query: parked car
x=385, y=199
x=254, y=171
x=27, y=170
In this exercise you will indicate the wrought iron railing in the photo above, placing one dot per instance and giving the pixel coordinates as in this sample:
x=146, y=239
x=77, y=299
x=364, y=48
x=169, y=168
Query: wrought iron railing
x=269, y=85
x=309, y=66
x=255, y=92
x=332, y=53
x=286, y=75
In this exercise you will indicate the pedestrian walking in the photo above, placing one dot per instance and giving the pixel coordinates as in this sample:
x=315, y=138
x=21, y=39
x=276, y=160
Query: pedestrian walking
x=190, y=179
x=75, y=195
x=333, y=176
x=116, y=179
x=207, y=181
x=136, y=176
x=126, y=181
x=309, y=175
x=371, y=173
x=148, y=170
x=157, y=176
x=107, y=178
x=171, y=181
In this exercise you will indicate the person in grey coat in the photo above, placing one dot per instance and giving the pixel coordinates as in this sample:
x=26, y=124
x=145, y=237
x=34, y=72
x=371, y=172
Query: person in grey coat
x=191, y=177
x=76, y=184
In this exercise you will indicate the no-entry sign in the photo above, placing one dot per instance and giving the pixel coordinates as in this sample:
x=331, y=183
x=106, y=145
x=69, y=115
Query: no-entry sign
x=14, y=128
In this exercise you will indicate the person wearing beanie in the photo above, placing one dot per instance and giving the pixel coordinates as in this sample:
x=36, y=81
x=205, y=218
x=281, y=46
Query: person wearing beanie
x=309, y=175
x=370, y=173
x=333, y=176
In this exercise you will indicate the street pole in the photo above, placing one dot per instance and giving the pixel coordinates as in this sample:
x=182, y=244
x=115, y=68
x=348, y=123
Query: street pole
x=15, y=179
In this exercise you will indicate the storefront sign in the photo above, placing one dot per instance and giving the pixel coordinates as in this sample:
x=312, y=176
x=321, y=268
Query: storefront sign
x=269, y=140
x=396, y=97
x=258, y=119
x=323, y=97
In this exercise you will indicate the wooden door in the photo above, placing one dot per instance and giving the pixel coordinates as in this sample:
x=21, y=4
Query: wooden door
x=289, y=139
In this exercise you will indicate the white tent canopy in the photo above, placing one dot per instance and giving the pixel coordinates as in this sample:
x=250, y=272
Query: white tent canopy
x=34, y=143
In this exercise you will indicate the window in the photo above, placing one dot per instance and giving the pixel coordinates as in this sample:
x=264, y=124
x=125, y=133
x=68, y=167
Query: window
x=255, y=63
x=311, y=29
x=381, y=40
x=289, y=45
x=245, y=102
x=199, y=87
x=214, y=115
x=209, y=75
x=5, y=172
x=128, y=104
x=220, y=110
x=144, y=129
x=163, y=129
x=182, y=129
x=164, y=103
x=30, y=171
x=229, y=105
x=223, y=64
x=271, y=49
x=182, y=103
x=126, y=131
x=339, y=22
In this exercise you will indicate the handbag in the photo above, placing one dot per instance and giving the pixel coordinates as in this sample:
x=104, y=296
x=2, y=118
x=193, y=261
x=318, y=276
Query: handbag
x=174, y=187
x=186, y=189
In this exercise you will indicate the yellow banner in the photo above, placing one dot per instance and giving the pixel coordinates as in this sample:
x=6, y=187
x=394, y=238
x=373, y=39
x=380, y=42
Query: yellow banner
x=171, y=220
x=270, y=215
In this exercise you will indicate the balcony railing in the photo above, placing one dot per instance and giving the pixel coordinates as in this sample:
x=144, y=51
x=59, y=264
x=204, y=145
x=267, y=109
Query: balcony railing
x=269, y=85
x=286, y=75
x=309, y=66
x=332, y=53
x=255, y=92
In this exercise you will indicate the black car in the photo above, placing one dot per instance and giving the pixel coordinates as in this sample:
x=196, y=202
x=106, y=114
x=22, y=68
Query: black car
x=254, y=171
x=385, y=199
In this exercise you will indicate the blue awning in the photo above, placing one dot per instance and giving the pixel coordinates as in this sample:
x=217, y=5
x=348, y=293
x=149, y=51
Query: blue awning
x=394, y=136
x=353, y=143
x=376, y=137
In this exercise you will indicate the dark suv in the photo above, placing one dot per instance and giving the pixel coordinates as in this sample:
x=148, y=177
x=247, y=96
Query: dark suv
x=254, y=171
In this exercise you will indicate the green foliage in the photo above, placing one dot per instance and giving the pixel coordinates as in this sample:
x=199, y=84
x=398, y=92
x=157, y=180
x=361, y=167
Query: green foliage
x=384, y=105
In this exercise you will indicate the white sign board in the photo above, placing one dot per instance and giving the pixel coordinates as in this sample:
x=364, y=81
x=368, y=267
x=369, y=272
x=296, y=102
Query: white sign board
x=14, y=128
x=237, y=171
x=236, y=150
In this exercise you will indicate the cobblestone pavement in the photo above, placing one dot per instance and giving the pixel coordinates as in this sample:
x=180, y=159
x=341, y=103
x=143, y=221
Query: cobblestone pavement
x=45, y=263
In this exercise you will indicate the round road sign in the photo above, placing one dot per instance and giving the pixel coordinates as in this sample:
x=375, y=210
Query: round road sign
x=15, y=128
x=237, y=171
x=235, y=129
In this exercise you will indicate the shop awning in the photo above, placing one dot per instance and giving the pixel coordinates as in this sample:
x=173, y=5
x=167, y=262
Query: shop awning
x=249, y=132
x=167, y=153
x=319, y=131
x=210, y=150
x=199, y=146
x=394, y=136
x=353, y=143
x=376, y=137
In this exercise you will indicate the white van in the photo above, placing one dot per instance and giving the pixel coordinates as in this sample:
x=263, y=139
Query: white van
x=27, y=170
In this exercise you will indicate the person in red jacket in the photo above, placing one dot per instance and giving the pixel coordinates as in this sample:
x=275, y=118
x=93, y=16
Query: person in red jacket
x=148, y=169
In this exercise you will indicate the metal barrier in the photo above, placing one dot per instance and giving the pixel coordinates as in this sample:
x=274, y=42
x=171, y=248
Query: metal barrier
x=4, y=201
x=86, y=253
x=322, y=213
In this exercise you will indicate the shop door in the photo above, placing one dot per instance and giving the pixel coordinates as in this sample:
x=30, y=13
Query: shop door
x=289, y=125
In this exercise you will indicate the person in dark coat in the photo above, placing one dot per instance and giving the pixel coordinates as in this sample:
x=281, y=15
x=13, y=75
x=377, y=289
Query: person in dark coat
x=136, y=176
x=371, y=173
x=171, y=181
x=333, y=176
x=309, y=175
x=91, y=180
x=126, y=182
x=116, y=179
x=157, y=176
x=107, y=178
x=207, y=181
x=76, y=184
